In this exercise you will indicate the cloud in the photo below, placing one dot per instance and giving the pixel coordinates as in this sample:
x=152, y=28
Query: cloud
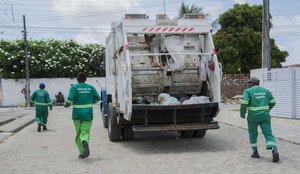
x=282, y=47
x=293, y=57
x=283, y=29
x=93, y=14
x=284, y=24
x=240, y=1
x=215, y=9
x=86, y=38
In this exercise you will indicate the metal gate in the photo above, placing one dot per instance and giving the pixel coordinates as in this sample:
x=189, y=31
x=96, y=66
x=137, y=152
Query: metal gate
x=285, y=86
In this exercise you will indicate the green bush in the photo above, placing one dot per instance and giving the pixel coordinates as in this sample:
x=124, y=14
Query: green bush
x=51, y=59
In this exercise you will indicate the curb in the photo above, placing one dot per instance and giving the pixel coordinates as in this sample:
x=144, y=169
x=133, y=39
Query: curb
x=23, y=126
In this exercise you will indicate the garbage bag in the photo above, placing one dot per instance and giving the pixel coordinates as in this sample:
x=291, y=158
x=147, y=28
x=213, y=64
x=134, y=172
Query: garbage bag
x=196, y=100
x=166, y=99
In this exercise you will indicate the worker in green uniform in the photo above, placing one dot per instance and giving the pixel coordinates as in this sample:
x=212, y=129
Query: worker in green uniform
x=82, y=96
x=259, y=101
x=42, y=101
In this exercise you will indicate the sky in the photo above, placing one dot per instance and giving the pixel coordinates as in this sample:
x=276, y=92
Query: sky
x=88, y=21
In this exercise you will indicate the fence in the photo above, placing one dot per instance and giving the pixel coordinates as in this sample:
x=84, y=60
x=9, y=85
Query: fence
x=284, y=84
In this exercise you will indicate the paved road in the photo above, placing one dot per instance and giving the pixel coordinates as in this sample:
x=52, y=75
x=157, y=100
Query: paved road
x=225, y=150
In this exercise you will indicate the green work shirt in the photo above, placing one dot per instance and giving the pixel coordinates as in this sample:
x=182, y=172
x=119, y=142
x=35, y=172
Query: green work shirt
x=82, y=96
x=259, y=101
x=41, y=99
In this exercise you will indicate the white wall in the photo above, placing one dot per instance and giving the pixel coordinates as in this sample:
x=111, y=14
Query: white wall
x=284, y=83
x=258, y=73
x=11, y=88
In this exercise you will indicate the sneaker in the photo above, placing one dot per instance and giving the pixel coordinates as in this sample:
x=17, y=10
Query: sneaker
x=45, y=128
x=275, y=155
x=86, y=151
x=255, y=155
x=39, y=127
x=81, y=156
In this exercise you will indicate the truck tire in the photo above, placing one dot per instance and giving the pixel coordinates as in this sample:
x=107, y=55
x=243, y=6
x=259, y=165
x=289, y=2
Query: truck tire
x=114, y=130
x=199, y=133
x=187, y=134
x=127, y=133
x=105, y=121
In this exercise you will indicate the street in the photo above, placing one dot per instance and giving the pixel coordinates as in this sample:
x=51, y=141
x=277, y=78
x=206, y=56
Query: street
x=225, y=150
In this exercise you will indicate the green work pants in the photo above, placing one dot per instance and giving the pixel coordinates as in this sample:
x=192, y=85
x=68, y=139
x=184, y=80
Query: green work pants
x=266, y=130
x=82, y=129
x=41, y=115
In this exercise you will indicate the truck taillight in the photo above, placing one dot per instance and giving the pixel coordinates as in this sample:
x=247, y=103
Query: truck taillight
x=193, y=16
x=135, y=16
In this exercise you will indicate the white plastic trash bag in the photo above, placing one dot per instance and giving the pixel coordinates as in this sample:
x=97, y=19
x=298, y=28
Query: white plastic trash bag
x=166, y=99
x=196, y=100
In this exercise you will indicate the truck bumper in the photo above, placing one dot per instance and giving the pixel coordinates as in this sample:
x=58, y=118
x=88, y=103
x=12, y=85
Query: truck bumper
x=177, y=127
x=173, y=115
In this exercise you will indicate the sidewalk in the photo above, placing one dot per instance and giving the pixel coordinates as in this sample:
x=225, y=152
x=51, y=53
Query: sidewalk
x=13, y=120
x=284, y=129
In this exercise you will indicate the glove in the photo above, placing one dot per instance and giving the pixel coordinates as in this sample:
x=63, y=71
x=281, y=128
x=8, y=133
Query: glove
x=50, y=108
x=242, y=116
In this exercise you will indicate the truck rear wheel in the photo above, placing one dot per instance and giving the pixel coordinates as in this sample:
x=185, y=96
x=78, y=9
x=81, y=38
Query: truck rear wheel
x=127, y=133
x=187, y=134
x=199, y=133
x=114, y=130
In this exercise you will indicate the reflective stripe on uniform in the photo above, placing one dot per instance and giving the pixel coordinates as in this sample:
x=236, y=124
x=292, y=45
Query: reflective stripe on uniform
x=69, y=101
x=43, y=104
x=254, y=145
x=83, y=106
x=245, y=102
x=259, y=108
x=271, y=143
x=272, y=101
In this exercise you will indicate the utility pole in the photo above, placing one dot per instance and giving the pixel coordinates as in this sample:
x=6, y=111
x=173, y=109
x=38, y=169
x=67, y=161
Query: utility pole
x=266, y=53
x=26, y=63
x=12, y=12
x=164, y=6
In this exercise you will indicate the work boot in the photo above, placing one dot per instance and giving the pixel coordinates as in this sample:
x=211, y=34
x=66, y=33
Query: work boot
x=81, y=156
x=255, y=155
x=86, y=150
x=44, y=127
x=275, y=155
x=39, y=127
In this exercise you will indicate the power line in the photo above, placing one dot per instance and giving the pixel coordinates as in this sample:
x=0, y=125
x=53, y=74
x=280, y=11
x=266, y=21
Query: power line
x=100, y=14
x=62, y=28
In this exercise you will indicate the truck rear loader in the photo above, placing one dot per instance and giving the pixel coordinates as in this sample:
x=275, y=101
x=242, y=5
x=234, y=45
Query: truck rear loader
x=146, y=58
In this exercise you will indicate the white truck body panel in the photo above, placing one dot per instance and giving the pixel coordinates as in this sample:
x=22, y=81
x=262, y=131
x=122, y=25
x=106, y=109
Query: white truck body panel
x=144, y=58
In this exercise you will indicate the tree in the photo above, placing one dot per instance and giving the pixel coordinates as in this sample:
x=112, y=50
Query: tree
x=185, y=9
x=51, y=58
x=239, y=40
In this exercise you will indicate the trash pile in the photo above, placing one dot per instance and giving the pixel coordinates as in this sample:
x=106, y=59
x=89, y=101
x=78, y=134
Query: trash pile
x=167, y=99
x=232, y=100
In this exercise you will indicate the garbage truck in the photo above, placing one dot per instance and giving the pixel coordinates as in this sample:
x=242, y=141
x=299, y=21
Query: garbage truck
x=150, y=60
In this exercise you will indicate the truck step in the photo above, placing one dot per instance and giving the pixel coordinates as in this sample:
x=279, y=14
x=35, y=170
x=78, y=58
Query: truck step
x=177, y=127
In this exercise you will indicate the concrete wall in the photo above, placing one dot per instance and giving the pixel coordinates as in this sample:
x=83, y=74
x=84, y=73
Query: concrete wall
x=233, y=84
x=11, y=88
